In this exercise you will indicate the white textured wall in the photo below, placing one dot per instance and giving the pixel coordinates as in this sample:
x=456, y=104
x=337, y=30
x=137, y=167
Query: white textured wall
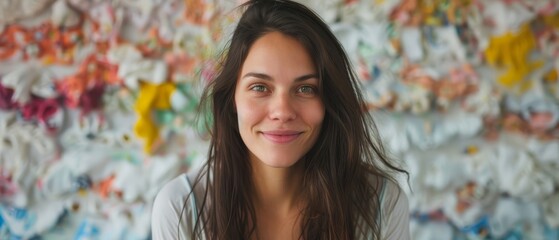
x=97, y=103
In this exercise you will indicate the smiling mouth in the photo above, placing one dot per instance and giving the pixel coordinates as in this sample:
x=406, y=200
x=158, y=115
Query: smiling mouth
x=281, y=137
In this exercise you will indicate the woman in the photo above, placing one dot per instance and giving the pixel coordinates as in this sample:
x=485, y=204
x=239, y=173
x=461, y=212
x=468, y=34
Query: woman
x=291, y=154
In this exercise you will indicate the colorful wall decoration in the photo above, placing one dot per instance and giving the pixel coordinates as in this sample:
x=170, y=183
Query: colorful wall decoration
x=98, y=109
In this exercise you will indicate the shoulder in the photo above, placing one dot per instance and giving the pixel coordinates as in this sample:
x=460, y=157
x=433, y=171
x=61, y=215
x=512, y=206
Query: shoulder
x=395, y=211
x=174, y=190
x=175, y=209
x=170, y=203
x=392, y=195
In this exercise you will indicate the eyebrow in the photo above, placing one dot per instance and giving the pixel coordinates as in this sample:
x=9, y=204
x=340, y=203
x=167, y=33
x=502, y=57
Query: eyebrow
x=269, y=78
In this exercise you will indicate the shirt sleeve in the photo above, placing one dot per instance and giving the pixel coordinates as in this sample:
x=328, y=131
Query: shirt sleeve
x=167, y=208
x=395, y=214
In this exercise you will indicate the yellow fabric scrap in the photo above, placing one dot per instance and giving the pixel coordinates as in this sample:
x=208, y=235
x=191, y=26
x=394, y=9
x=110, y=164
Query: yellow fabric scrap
x=511, y=52
x=151, y=97
x=551, y=76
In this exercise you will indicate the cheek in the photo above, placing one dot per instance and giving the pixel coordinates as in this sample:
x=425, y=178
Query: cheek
x=245, y=112
x=317, y=115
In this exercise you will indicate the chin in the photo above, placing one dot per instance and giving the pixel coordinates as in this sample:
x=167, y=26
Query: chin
x=280, y=162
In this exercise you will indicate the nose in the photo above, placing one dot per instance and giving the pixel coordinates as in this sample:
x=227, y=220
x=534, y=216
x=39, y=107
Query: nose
x=282, y=108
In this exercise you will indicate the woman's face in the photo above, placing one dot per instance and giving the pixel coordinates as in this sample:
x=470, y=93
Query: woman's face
x=278, y=106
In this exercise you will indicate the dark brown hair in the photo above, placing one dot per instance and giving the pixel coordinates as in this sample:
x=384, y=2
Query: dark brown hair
x=343, y=171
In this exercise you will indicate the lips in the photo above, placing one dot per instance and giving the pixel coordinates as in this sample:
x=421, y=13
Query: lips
x=281, y=136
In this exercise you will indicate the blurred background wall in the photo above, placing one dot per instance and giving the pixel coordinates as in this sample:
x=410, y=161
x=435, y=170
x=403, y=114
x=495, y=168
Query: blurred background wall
x=98, y=98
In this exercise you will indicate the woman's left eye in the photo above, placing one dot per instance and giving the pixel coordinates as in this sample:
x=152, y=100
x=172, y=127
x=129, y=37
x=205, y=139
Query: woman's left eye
x=307, y=90
x=259, y=88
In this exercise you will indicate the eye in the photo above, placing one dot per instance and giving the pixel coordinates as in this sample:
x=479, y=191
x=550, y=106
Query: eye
x=307, y=90
x=259, y=88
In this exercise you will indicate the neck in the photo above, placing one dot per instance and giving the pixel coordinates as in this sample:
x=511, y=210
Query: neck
x=277, y=188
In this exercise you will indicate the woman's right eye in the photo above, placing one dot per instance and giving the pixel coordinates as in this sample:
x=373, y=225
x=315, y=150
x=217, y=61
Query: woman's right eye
x=259, y=88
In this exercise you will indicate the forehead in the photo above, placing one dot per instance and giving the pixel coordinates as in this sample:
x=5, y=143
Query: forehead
x=278, y=54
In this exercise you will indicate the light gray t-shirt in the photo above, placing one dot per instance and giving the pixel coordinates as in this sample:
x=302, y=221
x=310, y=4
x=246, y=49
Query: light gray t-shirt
x=171, y=199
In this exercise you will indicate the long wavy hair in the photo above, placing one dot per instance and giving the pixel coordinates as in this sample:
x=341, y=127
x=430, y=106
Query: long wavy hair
x=343, y=171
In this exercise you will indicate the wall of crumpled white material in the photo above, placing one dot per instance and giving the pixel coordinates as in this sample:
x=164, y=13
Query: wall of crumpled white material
x=97, y=102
